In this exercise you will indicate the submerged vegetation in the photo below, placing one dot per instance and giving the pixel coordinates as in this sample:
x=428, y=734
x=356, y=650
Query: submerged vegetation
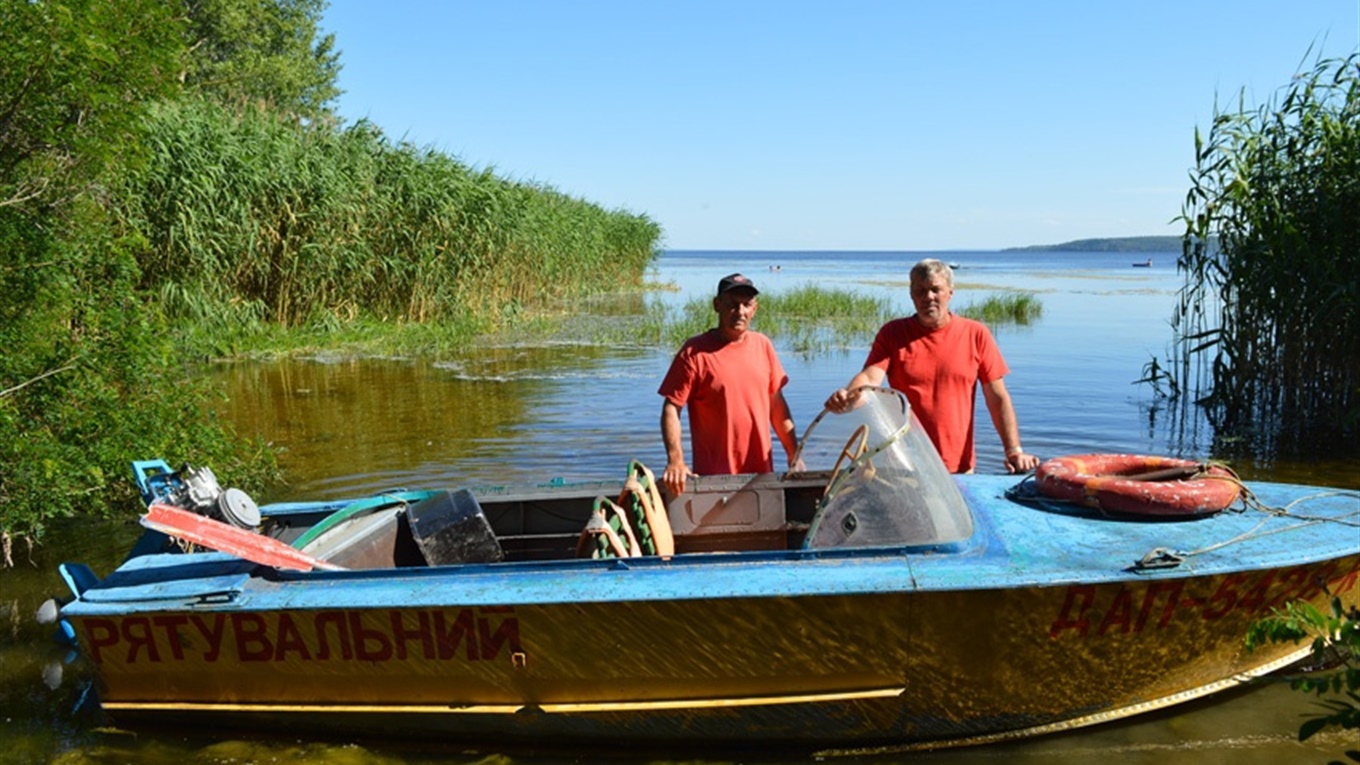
x=175, y=186
x=1268, y=325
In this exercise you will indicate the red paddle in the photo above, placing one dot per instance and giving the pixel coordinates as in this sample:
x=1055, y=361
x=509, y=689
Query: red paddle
x=226, y=538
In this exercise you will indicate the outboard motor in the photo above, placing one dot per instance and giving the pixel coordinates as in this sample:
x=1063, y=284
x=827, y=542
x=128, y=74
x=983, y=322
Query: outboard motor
x=197, y=489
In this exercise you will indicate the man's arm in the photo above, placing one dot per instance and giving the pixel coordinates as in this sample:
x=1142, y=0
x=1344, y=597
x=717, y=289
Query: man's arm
x=842, y=399
x=1001, y=409
x=673, y=479
x=782, y=422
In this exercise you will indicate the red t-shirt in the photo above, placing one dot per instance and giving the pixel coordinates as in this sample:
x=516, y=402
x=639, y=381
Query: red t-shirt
x=727, y=387
x=939, y=371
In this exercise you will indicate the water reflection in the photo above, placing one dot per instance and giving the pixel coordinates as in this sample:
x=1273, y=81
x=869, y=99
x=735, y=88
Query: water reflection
x=348, y=426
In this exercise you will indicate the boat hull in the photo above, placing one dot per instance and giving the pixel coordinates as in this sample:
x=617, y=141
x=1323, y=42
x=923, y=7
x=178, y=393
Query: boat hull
x=921, y=666
x=882, y=602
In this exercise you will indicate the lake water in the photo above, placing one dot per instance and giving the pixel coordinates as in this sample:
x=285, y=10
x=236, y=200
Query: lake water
x=518, y=412
x=528, y=413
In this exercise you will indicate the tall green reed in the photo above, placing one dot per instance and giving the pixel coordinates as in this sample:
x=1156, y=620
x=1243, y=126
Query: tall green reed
x=252, y=220
x=1268, y=321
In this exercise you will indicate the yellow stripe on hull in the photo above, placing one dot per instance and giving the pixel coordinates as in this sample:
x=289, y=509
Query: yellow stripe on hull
x=510, y=709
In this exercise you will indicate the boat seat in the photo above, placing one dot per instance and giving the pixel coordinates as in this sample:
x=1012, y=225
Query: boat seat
x=637, y=524
x=450, y=527
x=607, y=534
x=641, y=499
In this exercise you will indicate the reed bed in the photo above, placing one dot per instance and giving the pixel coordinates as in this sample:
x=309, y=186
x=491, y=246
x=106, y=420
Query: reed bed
x=1268, y=322
x=252, y=221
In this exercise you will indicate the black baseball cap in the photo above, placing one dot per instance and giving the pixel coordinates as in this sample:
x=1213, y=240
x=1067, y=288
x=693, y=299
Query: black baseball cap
x=736, y=282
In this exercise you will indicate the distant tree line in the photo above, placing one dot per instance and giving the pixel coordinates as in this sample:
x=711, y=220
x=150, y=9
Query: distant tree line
x=172, y=177
x=1112, y=244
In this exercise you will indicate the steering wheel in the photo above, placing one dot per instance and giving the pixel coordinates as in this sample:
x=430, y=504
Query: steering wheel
x=852, y=451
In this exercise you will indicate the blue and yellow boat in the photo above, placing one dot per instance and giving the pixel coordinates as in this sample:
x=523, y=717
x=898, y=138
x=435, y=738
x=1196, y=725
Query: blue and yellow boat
x=867, y=599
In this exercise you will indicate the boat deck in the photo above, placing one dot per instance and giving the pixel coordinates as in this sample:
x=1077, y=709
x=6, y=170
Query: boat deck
x=744, y=549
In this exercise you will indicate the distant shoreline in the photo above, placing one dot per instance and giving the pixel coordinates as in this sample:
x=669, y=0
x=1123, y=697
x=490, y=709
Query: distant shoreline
x=1114, y=244
x=1142, y=244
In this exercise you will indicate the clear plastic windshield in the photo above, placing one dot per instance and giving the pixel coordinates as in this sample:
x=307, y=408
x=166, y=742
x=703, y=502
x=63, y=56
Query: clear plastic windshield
x=888, y=486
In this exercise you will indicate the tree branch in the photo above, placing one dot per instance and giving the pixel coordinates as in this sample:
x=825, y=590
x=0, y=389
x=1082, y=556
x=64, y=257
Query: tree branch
x=69, y=365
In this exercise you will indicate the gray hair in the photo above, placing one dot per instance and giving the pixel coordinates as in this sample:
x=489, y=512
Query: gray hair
x=929, y=268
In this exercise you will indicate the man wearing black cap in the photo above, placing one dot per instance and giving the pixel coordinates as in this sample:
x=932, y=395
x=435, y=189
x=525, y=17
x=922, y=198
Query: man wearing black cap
x=732, y=382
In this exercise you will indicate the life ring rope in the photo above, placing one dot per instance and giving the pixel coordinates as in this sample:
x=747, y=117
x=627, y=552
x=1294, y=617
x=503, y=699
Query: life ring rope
x=1161, y=557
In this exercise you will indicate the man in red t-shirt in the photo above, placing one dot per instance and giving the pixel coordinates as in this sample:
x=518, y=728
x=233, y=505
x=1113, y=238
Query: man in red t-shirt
x=937, y=359
x=732, y=382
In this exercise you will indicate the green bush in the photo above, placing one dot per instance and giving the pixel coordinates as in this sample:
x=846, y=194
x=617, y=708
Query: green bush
x=1334, y=639
x=88, y=381
x=172, y=185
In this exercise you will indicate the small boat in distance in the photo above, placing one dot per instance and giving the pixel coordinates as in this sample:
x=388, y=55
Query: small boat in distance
x=868, y=599
x=1145, y=264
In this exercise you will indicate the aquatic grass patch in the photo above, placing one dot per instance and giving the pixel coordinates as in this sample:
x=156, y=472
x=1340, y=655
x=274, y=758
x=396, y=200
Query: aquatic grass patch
x=970, y=287
x=1000, y=309
x=810, y=303
x=626, y=318
x=644, y=327
x=676, y=324
x=807, y=319
x=811, y=319
x=362, y=337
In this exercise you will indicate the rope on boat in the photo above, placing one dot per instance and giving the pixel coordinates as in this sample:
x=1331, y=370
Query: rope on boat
x=1026, y=492
x=1162, y=558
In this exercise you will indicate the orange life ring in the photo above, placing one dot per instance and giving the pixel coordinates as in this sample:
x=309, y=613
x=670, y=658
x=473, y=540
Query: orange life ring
x=1132, y=484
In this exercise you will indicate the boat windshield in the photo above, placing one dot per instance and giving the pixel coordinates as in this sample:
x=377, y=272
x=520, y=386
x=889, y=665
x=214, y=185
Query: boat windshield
x=888, y=486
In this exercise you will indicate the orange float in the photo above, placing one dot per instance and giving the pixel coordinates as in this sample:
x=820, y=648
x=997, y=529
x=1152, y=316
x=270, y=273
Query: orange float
x=1139, y=485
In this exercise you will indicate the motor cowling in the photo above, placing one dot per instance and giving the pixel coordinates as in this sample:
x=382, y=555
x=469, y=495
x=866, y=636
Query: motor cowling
x=198, y=490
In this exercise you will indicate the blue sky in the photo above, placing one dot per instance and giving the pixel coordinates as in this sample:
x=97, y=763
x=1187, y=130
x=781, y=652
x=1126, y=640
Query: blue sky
x=887, y=125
